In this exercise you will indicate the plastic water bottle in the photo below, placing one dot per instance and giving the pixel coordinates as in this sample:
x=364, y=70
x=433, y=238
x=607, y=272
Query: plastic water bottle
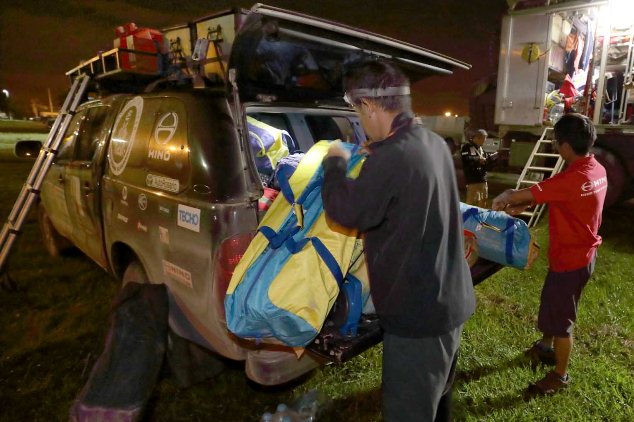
x=282, y=414
x=305, y=409
x=556, y=112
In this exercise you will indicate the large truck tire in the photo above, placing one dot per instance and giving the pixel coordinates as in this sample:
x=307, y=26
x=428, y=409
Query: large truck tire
x=54, y=242
x=135, y=273
x=617, y=176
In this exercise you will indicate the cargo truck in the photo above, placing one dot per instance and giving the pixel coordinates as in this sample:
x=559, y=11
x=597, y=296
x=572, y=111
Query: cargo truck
x=549, y=49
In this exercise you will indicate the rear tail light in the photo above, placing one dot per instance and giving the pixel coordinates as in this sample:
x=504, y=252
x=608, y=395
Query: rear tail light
x=229, y=255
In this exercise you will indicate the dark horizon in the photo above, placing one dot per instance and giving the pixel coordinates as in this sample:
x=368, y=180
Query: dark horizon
x=37, y=46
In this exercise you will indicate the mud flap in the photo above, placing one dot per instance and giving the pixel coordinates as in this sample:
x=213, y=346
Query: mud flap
x=124, y=376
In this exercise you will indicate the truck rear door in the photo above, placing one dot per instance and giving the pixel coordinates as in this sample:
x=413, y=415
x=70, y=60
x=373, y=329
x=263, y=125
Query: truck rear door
x=523, y=70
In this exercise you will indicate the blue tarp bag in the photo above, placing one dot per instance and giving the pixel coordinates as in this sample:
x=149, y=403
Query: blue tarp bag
x=501, y=238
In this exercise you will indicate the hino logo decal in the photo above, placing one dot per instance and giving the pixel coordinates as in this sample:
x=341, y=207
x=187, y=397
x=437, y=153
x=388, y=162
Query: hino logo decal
x=189, y=217
x=591, y=184
x=159, y=154
x=166, y=128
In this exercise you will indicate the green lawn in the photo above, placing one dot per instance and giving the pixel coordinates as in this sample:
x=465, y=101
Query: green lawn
x=52, y=330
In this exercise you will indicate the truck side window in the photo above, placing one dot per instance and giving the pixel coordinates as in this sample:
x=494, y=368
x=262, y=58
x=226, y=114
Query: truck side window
x=327, y=127
x=91, y=132
x=67, y=145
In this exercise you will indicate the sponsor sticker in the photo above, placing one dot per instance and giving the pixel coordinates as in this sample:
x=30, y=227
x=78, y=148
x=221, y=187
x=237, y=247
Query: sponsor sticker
x=189, y=217
x=163, y=183
x=142, y=200
x=125, y=128
x=164, y=210
x=124, y=196
x=177, y=273
x=122, y=218
x=140, y=227
x=164, y=235
x=166, y=128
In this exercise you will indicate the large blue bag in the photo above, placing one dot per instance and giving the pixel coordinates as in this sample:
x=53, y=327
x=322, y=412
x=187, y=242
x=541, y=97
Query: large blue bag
x=501, y=238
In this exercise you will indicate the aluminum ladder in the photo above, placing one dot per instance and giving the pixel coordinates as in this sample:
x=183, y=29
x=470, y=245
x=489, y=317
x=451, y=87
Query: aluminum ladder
x=31, y=188
x=628, y=82
x=533, y=214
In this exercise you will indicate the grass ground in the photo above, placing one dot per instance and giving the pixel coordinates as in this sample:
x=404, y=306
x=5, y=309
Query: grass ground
x=52, y=330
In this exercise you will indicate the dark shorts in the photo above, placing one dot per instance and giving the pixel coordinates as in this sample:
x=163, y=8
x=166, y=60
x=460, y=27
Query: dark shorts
x=559, y=301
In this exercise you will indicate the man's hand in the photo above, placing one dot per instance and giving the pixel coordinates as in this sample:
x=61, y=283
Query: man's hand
x=336, y=150
x=501, y=202
x=513, y=201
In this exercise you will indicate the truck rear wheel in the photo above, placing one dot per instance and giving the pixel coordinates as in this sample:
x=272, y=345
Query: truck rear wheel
x=54, y=242
x=617, y=176
x=134, y=272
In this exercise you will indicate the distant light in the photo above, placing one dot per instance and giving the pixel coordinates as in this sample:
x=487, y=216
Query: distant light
x=6, y=92
x=28, y=154
x=455, y=115
x=447, y=113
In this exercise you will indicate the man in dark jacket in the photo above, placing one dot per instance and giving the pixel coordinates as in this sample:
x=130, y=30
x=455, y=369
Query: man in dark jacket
x=406, y=203
x=475, y=163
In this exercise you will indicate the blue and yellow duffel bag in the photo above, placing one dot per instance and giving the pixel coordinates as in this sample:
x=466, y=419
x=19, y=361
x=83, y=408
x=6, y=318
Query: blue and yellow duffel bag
x=501, y=238
x=293, y=270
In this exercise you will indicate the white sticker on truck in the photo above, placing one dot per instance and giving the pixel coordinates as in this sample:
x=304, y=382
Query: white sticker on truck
x=163, y=183
x=125, y=128
x=164, y=235
x=189, y=217
x=177, y=273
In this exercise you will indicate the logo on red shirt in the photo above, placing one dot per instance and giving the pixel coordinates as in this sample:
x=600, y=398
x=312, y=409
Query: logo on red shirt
x=593, y=186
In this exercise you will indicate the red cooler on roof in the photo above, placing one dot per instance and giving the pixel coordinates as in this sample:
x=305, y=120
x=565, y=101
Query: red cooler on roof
x=143, y=40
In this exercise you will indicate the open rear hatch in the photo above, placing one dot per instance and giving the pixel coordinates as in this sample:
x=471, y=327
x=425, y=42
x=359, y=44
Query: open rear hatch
x=286, y=56
x=289, y=56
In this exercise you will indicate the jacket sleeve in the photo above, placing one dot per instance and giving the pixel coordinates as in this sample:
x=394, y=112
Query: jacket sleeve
x=468, y=159
x=359, y=203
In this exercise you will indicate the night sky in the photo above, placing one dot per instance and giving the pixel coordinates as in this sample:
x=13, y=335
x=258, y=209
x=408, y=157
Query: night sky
x=42, y=39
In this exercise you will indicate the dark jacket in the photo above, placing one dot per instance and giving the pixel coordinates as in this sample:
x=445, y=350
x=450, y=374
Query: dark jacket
x=474, y=171
x=405, y=201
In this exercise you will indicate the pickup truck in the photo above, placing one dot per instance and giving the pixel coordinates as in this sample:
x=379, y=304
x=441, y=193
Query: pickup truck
x=155, y=181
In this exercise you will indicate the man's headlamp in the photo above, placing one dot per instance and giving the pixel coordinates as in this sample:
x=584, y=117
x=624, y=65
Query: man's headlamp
x=391, y=91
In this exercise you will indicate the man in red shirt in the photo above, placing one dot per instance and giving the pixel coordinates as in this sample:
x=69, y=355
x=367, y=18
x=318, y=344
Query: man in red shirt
x=575, y=197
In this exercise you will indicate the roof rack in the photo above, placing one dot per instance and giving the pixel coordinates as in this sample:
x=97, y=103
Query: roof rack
x=121, y=69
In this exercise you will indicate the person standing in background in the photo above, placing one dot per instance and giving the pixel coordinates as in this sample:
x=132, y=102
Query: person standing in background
x=475, y=163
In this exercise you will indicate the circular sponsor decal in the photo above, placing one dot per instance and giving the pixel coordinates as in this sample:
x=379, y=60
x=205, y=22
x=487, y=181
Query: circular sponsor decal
x=166, y=128
x=123, y=135
x=142, y=202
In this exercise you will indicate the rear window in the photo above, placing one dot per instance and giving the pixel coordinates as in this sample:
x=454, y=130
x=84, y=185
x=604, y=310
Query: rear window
x=278, y=121
x=327, y=127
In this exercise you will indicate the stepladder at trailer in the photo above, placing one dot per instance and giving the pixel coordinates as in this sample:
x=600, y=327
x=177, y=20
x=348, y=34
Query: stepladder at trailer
x=31, y=187
x=543, y=162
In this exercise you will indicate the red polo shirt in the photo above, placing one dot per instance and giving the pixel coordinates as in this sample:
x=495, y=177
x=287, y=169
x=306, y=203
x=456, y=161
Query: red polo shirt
x=575, y=198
